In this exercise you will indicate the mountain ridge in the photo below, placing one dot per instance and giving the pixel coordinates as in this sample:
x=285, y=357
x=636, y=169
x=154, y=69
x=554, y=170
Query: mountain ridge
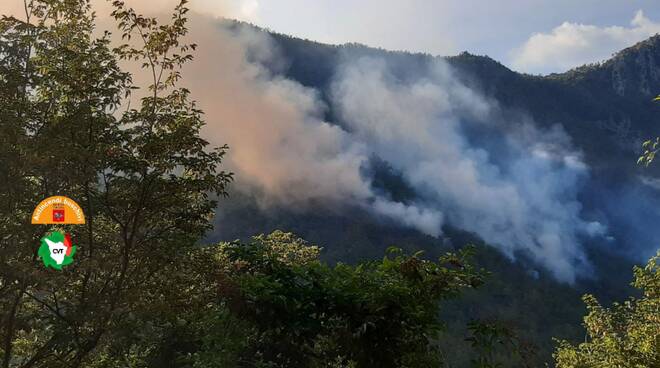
x=605, y=126
x=649, y=47
x=644, y=56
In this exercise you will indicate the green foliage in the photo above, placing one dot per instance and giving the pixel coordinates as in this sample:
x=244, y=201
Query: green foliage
x=143, y=176
x=650, y=148
x=487, y=338
x=536, y=308
x=298, y=311
x=625, y=335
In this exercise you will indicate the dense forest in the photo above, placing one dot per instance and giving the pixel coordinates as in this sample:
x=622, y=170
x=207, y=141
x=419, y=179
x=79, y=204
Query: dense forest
x=157, y=282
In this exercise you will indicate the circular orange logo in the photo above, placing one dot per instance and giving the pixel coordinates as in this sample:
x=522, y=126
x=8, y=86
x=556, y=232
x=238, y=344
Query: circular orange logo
x=58, y=210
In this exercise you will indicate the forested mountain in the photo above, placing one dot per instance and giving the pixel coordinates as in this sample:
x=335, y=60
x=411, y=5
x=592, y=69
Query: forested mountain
x=607, y=111
x=605, y=108
x=461, y=208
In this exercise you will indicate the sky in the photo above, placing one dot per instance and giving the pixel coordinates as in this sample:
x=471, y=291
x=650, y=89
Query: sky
x=532, y=36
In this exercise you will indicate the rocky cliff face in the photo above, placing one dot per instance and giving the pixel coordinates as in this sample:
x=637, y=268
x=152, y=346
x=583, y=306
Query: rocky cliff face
x=632, y=73
x=636, y=70
x=607, y=108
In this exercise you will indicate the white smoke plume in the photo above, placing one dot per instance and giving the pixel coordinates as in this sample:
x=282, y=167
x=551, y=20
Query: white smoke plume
x=280, y=148
x=525, y=204
x=284, y=151
x=520, y=197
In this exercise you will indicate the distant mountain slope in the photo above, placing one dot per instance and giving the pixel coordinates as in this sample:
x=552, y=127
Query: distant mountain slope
x=607, y=111
x=605, y=108
x=607, y=105
x=632, y=73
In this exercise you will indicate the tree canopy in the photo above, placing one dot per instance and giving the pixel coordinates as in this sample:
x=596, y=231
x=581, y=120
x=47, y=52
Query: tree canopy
x=143, y=175
x=626, y=335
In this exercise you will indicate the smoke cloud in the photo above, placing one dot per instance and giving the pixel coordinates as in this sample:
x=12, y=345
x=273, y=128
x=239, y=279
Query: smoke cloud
x=246, y=10
x=527, y=203
x=515, y=186
x=520, y=196
x=280, y=147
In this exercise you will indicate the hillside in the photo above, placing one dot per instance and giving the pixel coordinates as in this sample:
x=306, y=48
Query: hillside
x=611, y=100
x=606, y=110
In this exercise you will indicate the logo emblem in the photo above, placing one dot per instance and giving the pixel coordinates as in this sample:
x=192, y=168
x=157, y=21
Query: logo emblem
x=58, y=210
x=56, y=250
x=58, y=215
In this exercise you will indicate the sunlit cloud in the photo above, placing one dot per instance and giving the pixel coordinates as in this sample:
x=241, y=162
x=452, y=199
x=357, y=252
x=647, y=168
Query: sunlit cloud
x=572, y=44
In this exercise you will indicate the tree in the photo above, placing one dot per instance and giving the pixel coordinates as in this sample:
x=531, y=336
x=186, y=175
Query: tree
x=650, y=148
x=144, y=177
x=496, y=344
x=296, y=311
x=626, y=335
